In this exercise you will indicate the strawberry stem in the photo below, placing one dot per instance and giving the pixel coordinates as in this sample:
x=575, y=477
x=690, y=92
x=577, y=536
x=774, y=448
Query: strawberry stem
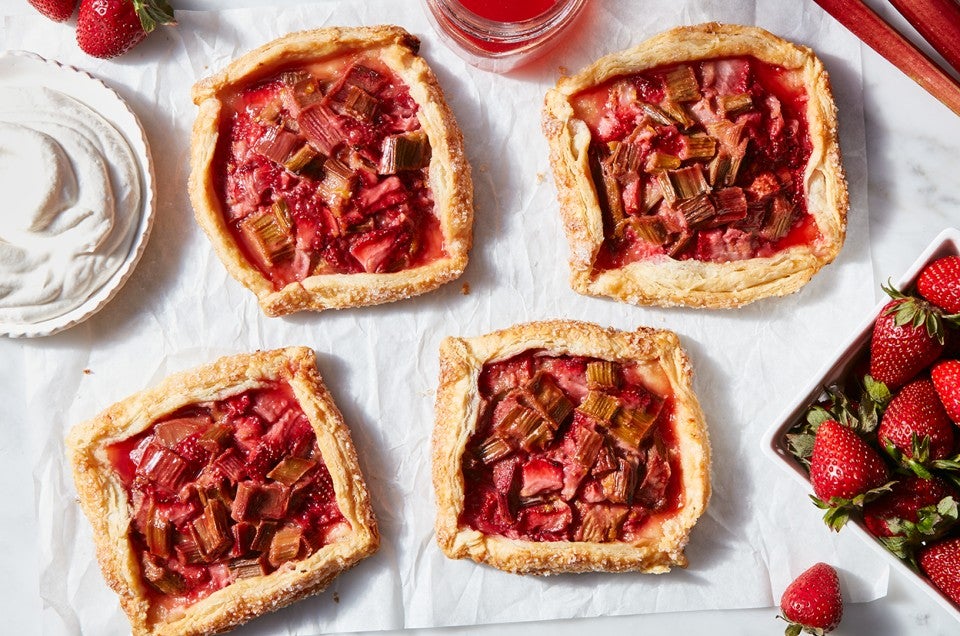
x=153, y=13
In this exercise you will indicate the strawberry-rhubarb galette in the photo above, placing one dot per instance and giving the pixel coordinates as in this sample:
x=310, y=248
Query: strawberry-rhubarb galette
x=329, y=172
x=565, y=447
x=222, y=493
x=700, y=168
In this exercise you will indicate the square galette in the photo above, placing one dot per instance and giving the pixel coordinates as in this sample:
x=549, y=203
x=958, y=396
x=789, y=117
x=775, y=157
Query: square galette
x=222, y=493
x=562, y=446
x=328, y=171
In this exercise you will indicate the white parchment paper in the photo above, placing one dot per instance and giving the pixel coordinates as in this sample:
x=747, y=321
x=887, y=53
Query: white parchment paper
x=181, y=309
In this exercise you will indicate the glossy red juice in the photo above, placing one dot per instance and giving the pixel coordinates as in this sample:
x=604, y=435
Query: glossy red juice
x=508, y=10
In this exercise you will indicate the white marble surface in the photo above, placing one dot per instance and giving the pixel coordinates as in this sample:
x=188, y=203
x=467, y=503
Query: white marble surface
x=912, y=143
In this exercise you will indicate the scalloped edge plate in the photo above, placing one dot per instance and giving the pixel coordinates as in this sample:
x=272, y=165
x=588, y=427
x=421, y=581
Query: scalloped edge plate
x=947, y=243
x=23, y=68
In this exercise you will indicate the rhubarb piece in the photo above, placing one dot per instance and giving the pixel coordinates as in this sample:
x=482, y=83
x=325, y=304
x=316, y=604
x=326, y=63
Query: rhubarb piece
x=659, y=161
x=164, y=580
x=552, y=400
x=736, y=104
x=290, y=470
x=277, y=144
x=349, y=128
x=493, y=449
x=689, y=182
x=698, y=147
x=354, y=101
x=649, y=229
x=779, y=219
x=600, y=405
x=601, y=524
x=172, y=432
x=698, y=125
x=177, y=525
x=300, y=160
x=697, y=210
x=552, y=499
x=164, y=468
x=247, y=568
x=158, y=533
x=602, y=374
x=285, y=545
x=681, y=84
x=407, y=151
x=267, y=236
x=211, y=530
x=625, y=157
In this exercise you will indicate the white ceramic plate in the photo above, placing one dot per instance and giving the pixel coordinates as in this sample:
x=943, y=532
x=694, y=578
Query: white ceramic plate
x=774, y=442
x=20, y=68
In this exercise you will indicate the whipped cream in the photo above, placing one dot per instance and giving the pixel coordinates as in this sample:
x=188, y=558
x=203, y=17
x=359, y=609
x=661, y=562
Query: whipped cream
x=73, y=193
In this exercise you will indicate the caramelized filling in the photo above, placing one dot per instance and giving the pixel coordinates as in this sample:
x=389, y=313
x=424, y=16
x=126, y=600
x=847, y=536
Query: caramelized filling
x=323, y=170
x=225, y=490
x=570, y=449
x=701, y=160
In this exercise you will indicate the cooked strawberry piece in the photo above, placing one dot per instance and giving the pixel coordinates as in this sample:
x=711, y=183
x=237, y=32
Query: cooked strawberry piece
x=270, y=406
x=377, y=251
x=510, y=374
x=550, y=519
x=387, y=193
x=540, y=476
x=506, y=475
x=652, y=491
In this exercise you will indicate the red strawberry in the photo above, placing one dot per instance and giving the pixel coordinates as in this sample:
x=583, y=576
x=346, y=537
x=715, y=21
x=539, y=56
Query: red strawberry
x=843, y=465
x=813, y=601
x=904, y=502
x=907, y=336
x=56, y=10
x=946, y=380
x=941, y=562
x=916, y=411
x=107, y=28
x=939, y=283
x=844, y=472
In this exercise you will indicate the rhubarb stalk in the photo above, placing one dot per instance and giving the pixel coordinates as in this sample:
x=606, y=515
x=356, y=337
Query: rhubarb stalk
x=863, y=22
x=938, y=21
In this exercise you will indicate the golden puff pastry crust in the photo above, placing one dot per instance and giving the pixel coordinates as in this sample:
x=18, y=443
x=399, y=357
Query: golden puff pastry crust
x=448, y=171
x=663, y=280
x=660, y=358
x=106, y=504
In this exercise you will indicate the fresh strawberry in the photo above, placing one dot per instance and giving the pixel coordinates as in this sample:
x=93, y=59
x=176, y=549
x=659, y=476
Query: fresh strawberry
x=845, y=472
x=939, y=283
x=907, y=336
x=813, y=602
x=56, y=10
x=946, y=381
x=912, y=415
x=107, y=28
x=941, y=562
x=904, y=502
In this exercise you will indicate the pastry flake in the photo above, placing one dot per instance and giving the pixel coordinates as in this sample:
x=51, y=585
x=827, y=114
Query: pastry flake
x=700, y=168
x=329, y=172
x=222, y=493
x=561, y=446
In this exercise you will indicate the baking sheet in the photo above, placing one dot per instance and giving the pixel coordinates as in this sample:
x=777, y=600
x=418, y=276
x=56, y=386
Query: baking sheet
x=180, y=309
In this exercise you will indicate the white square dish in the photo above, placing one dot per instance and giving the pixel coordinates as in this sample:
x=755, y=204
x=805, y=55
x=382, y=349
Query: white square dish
x=947, y=243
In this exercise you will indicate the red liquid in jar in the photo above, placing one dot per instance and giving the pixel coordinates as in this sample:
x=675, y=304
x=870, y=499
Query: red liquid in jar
x=508, y=10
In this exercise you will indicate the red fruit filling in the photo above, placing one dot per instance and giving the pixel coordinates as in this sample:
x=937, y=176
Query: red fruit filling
x=569, y=449
x=323, y=170
x=702, y=160
x=225, y=490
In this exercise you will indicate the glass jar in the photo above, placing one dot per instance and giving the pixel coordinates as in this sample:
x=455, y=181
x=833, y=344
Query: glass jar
x=500, y=35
